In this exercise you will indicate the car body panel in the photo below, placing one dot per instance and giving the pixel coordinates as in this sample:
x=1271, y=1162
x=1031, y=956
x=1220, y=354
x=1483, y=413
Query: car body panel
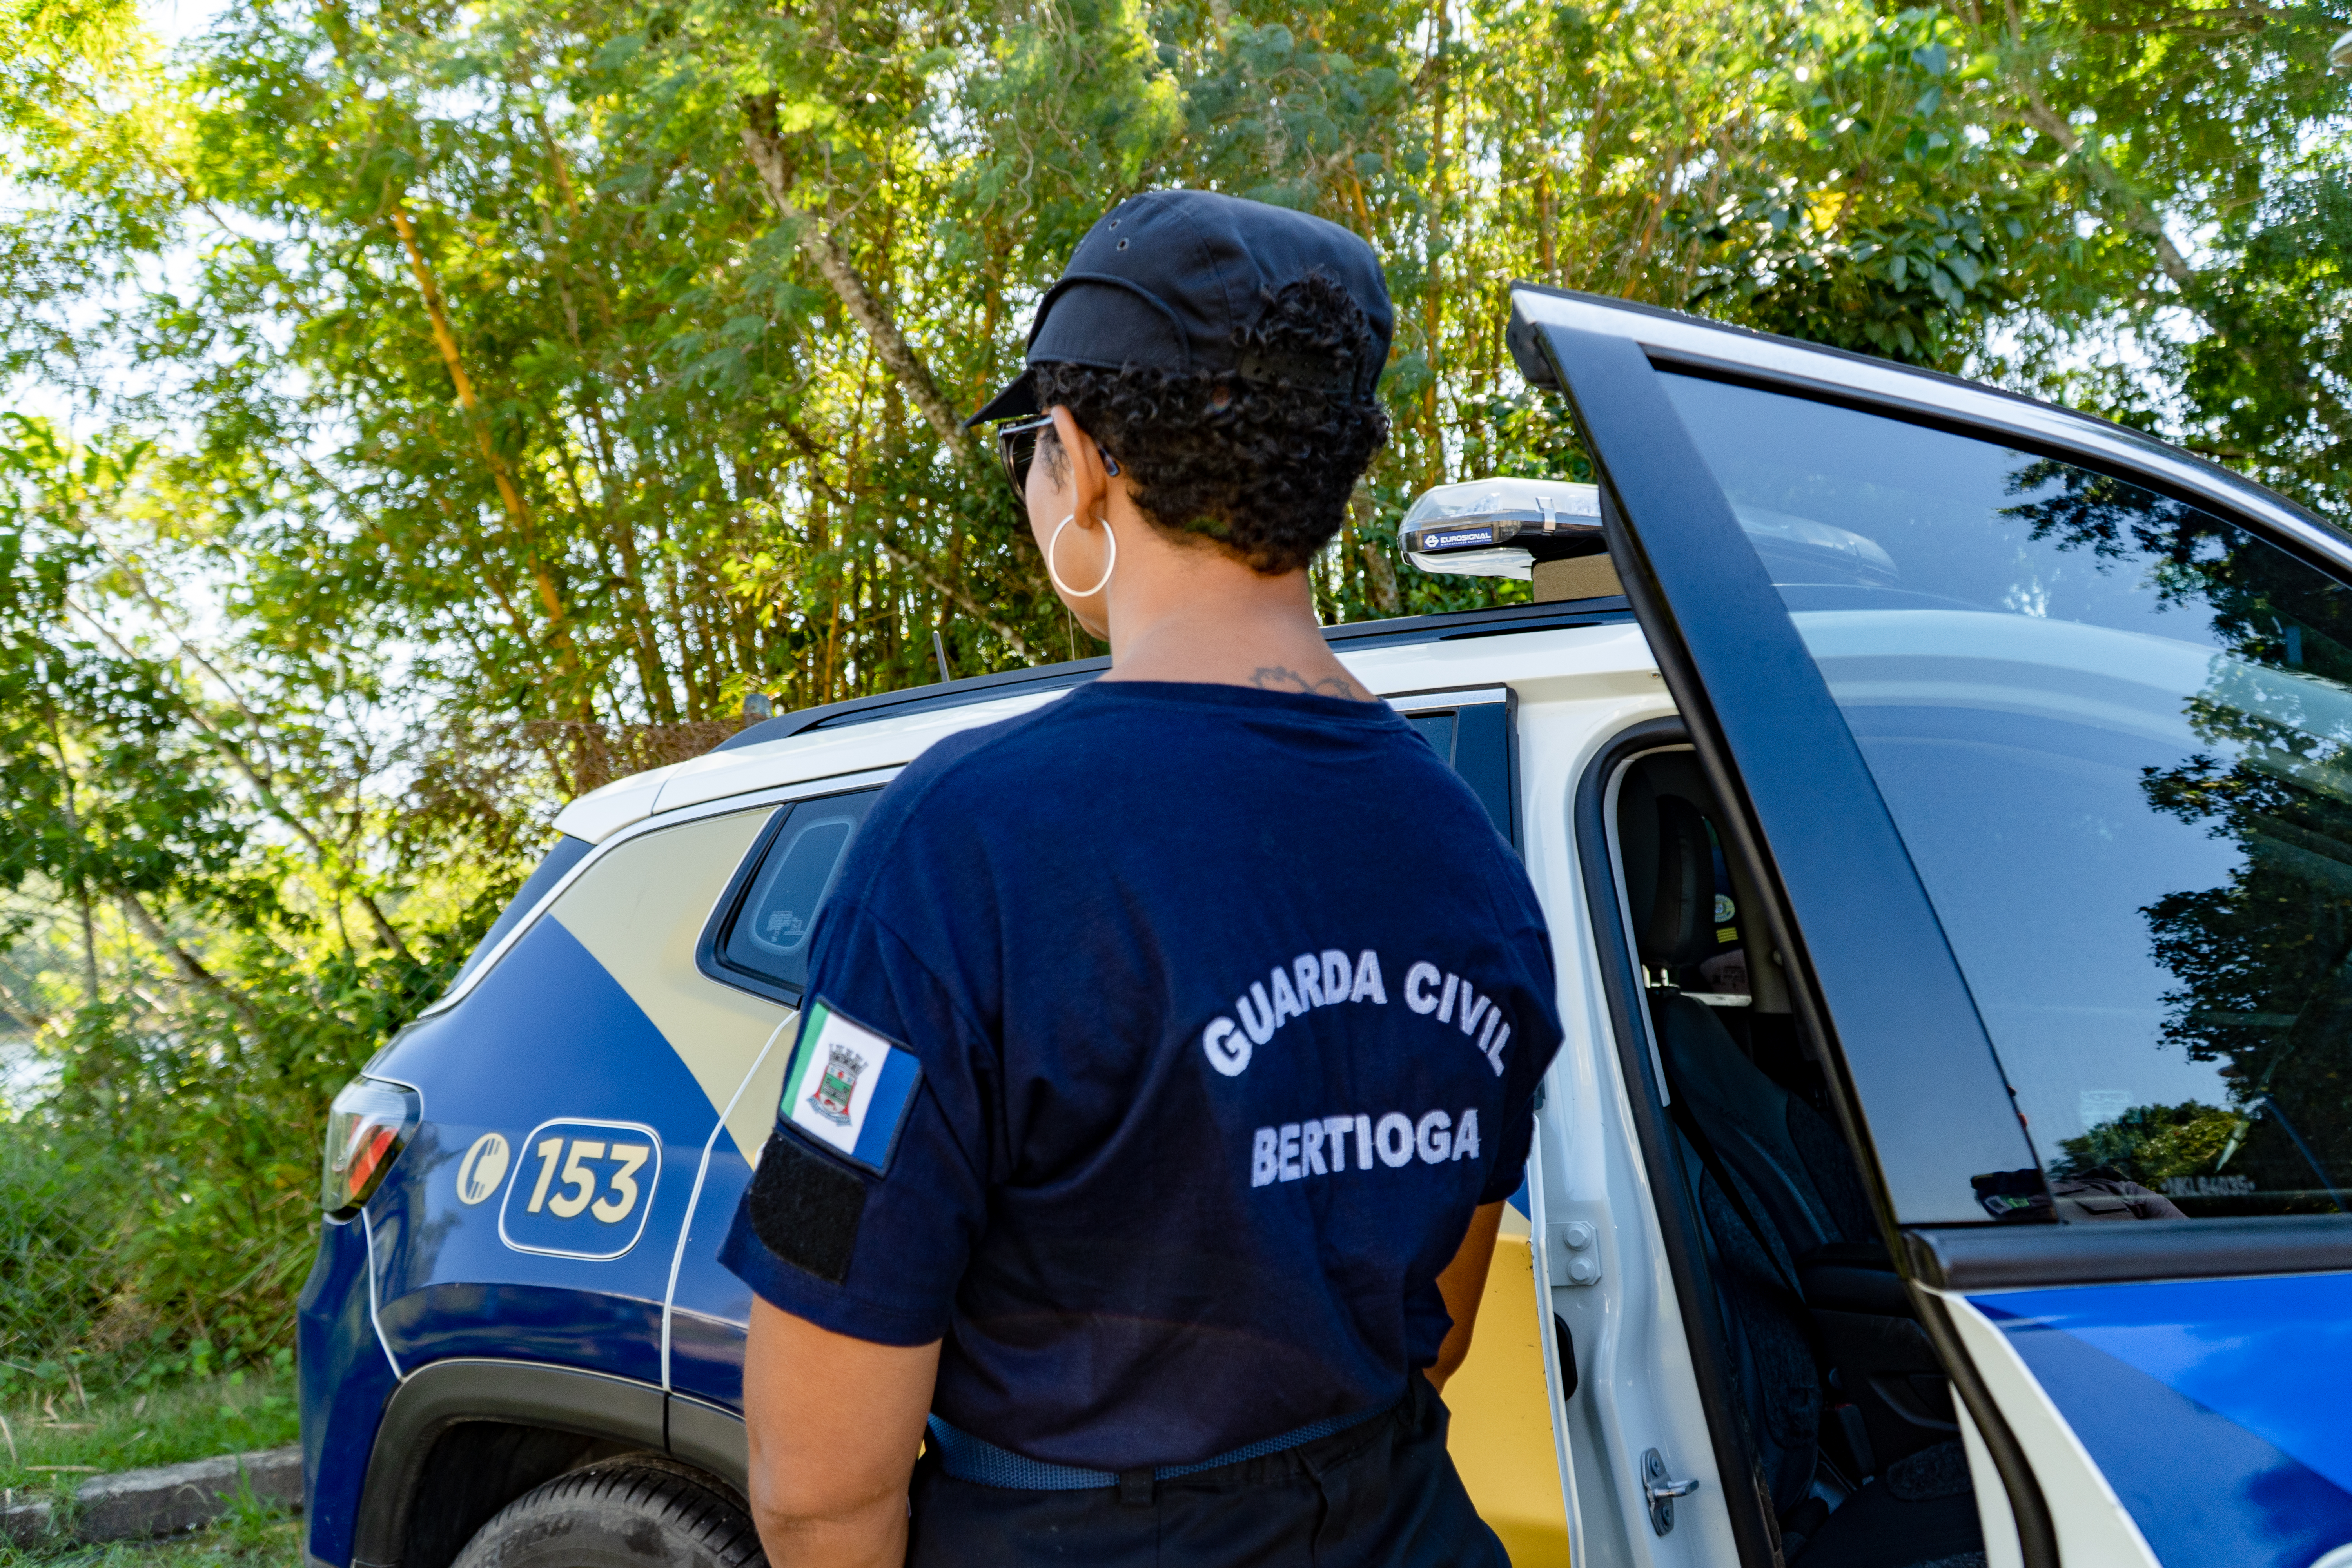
x=1637, y=1388
x=346, y=1378
x=549, y=1033
x=2237, y=1388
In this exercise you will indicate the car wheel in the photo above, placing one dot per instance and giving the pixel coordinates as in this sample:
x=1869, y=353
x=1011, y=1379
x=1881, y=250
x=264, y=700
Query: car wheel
x=637, y=1511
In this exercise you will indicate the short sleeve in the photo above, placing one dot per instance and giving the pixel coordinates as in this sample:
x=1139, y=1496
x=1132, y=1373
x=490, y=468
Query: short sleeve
x=872, y=1189
x=1538, y=1020
x=1510, y=1166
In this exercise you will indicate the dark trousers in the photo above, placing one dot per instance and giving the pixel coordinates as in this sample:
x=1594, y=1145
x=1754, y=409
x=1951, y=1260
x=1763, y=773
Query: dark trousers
x=1383, y=1494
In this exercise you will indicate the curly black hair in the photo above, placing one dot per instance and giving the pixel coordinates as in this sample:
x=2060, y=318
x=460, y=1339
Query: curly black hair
x=1264, y=467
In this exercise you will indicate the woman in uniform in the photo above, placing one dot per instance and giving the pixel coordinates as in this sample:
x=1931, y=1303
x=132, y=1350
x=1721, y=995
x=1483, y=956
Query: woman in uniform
x=1170, y=1050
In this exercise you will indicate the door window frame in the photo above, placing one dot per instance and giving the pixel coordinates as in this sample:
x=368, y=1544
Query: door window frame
x=1623, y=995
x=1872, y=977
x=745, y=800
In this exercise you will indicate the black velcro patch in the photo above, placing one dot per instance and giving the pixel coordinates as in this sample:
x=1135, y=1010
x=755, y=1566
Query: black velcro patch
x=805, y=1208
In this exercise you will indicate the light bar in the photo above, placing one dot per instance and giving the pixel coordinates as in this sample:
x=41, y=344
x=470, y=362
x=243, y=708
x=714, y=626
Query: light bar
x=1501, y=527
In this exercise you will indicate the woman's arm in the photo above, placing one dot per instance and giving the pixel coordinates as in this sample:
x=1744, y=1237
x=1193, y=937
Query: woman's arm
x=835, y=1423
x=1463, y=1285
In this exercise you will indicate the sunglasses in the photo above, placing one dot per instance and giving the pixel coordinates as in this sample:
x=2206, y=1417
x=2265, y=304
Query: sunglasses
x=1016, y=448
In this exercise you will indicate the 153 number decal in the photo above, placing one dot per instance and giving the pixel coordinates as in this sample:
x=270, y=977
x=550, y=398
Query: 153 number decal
x=583, y=1189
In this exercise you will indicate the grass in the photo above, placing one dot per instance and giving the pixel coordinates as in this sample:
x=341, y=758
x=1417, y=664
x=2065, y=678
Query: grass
x=59, y=1443
x=255, y=1541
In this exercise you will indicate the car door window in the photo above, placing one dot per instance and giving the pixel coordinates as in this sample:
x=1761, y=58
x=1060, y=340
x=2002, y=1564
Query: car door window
x=1474, y=733
x=2115, y=732
x=760, y=939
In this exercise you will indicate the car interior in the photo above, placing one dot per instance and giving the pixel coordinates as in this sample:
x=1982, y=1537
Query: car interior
x=1838, y=1399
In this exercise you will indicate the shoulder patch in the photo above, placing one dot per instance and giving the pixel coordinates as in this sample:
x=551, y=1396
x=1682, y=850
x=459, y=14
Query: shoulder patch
x=805, y=1209
x=848, y=1087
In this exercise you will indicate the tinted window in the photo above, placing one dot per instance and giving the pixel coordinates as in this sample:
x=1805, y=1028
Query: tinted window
x=764, y=936
x=2116, y=733
x=1437, y=729
x=1475, y=740
x=550, y=871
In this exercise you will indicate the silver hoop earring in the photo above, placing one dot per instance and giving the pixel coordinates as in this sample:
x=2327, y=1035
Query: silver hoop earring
x=1108, y=566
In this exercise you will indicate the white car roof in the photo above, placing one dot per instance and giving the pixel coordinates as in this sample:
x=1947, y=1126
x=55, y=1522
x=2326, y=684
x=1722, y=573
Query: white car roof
x=1537, y=663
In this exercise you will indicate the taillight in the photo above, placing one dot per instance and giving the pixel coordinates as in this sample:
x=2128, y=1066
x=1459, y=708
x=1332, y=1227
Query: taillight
x=366, y=1129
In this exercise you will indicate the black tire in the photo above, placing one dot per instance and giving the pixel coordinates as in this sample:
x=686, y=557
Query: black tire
x=637, y=1511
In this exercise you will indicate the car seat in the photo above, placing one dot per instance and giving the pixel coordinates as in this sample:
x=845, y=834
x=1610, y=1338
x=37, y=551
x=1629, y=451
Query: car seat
x=1811, y=1312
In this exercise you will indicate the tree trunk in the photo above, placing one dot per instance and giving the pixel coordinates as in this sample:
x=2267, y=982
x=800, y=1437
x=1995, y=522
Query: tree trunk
x=897, y=355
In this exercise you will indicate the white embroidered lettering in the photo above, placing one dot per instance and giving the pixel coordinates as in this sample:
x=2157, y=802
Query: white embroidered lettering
x=1417, y=981
x=1435, y=1138
x=1470, y=1014
x=1495, y=1051
x=1290, y=1171
x=1286, y=1000
x=1494, y=1016
x=1393, y=1139
x=1228, y=1050
x=1261, y=1023
x=1334, y=1130
x=1367, y=979
x=1309, y=971
x=1310, y=1149
x=1445, y=1003
x=1336, y=971
x=1266, y=1161
x=1363, y=1143
x=1465, y=1135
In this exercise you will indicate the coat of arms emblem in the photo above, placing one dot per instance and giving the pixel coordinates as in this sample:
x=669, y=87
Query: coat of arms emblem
x=837, y=1084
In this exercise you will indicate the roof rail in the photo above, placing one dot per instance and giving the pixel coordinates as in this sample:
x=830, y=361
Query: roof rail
x=1447, y=627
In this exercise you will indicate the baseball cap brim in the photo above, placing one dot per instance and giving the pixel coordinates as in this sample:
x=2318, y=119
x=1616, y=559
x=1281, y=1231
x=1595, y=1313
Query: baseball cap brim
x=1017, y=401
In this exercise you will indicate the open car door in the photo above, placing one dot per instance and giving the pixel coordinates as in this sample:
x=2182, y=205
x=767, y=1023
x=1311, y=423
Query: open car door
x=2030, y=739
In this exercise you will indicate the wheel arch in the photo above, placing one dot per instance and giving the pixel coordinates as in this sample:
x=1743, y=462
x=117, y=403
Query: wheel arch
x=461, y=1438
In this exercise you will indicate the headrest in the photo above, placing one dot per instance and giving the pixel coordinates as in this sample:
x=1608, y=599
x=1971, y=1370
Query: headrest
x=1678, y=928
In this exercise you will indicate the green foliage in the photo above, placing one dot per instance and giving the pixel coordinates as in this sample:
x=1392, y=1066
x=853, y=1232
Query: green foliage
x=2150, y=1144
x=1872, y=218
x=2271, y=388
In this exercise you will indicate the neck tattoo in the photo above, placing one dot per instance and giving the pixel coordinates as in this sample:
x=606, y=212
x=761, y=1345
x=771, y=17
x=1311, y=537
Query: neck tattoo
x=1278, y=678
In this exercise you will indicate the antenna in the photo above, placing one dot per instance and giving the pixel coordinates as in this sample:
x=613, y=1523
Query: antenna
x=939, y=652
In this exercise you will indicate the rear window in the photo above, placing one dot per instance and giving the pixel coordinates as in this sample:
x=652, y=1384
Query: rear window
x=759, y=941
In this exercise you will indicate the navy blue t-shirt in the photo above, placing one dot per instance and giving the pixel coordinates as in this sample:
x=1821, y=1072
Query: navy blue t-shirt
x=1158, y=1044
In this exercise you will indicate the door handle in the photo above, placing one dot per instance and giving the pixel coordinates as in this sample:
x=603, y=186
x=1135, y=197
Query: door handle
x=1659, y=1491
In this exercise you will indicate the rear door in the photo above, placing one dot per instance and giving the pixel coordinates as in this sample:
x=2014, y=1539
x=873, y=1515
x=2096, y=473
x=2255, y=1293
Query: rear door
x=2040, y=737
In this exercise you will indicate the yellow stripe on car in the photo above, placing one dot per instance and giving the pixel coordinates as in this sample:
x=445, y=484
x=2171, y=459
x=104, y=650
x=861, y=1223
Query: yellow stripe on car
x=639, y=911
x=1501, y=1433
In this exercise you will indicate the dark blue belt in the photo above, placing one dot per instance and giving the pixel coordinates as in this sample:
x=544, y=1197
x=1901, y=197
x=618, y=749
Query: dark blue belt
x=982, y=1463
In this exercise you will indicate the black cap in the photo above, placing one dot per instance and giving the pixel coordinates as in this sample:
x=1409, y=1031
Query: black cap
x=1163, y=280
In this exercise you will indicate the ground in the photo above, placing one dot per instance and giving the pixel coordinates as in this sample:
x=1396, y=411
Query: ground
x=52, y=1444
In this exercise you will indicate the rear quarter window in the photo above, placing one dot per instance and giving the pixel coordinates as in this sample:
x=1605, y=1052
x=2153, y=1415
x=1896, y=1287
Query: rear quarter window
x=759, y=940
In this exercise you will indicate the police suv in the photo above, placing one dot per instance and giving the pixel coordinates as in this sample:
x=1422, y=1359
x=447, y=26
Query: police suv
x=1942, y=807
